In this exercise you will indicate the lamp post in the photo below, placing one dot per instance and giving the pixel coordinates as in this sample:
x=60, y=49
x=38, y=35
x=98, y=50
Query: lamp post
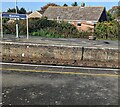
x=1, y=22
x=16, y=19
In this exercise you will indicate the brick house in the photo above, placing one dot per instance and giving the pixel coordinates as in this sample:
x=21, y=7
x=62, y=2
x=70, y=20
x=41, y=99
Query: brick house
x=84, y=18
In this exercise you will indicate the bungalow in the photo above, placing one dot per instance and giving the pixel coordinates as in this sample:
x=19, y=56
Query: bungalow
x=84, y=18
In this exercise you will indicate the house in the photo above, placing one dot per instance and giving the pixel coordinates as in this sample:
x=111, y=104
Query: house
x=36, y=14
x=84, y=18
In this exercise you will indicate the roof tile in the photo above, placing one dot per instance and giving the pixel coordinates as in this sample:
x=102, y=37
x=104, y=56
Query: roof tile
x=74, y=13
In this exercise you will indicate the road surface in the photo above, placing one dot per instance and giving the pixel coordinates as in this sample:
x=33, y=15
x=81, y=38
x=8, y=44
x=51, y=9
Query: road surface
x=25, y=84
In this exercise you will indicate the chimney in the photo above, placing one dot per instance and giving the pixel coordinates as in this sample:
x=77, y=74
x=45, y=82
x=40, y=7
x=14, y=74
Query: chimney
x=82, y=5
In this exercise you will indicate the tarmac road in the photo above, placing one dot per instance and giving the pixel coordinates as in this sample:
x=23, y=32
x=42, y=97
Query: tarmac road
x=46, y=85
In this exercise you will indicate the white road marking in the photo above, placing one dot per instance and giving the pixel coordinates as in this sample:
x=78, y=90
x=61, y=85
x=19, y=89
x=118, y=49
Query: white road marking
x=68, y=67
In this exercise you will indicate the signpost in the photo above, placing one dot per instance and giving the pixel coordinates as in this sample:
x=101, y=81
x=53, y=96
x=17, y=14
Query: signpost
x=20, y=16
x=1, y=26
x=27, y=26
x=16, y=19
x=17, y=16
x=1, y=21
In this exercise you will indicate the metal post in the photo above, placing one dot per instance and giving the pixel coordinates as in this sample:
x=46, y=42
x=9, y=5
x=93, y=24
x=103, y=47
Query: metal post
x=1, y=22
x=27, y=27
x=16, y=19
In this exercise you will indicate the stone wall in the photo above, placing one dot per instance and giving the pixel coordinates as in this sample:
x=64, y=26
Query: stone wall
x=59, y=55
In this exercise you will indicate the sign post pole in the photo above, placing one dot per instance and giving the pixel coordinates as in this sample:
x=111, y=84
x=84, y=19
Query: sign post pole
x=16, y=28
x=27, y=27
x=16, y=19
x=1, y=22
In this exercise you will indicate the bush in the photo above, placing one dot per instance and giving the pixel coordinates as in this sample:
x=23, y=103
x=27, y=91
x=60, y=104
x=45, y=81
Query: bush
x=46, y=33
x=47, y=28
x=61, y=29
x=9, y=28
x=107, y=30
x=37, y=24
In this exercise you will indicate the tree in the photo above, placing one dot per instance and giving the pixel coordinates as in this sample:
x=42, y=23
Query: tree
x=100, y=30
x=115, y=11
x=74, y=4
x=65, y=4
x=109, y=16
x=13, y=10
x=118, y=12
x=20, y=11
x=46, y=6
x=107, y=29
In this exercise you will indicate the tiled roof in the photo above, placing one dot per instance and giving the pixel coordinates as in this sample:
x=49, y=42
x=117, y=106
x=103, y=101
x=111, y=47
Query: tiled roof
x=74, y=13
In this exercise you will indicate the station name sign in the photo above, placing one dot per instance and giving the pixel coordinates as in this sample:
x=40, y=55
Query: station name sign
x=20, y=16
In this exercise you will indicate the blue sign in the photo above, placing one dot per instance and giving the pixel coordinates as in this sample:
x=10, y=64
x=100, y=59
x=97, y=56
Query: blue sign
x=20, y=16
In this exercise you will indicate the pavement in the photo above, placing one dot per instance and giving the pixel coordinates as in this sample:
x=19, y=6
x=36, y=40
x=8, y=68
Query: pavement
x=26, y=84
x=62, y=41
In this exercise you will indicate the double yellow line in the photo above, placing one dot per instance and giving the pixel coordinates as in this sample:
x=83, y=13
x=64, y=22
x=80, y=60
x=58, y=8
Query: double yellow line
x=60, y=72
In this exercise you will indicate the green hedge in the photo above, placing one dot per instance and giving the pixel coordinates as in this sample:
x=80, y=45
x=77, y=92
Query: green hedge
x=45, y=28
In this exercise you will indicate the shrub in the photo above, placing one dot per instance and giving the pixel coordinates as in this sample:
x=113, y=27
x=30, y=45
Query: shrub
x=46, y=33
x=9, y=28
x=107, y=30
x=47, y=28
x=61, y=28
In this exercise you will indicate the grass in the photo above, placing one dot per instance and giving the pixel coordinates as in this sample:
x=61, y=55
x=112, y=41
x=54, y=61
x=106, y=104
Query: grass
x=47, y=34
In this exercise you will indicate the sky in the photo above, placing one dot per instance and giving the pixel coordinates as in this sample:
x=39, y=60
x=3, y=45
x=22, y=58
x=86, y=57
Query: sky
x=33, y=6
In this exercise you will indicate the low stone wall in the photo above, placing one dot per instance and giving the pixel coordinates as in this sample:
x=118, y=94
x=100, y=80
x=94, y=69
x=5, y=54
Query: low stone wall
x=59, y=55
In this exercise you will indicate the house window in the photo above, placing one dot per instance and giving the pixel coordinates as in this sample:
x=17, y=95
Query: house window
x=79, y=24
